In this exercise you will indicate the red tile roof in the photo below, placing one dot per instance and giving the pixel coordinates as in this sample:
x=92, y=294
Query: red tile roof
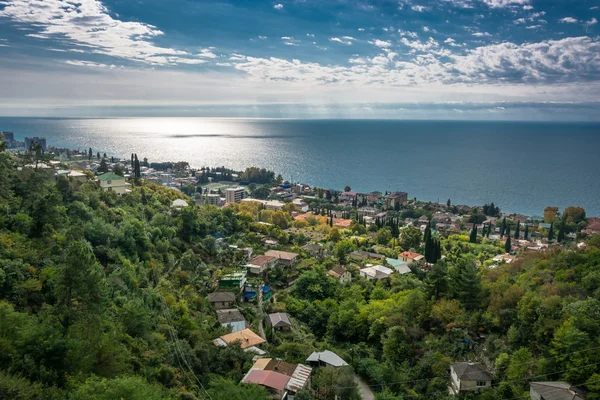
x=271, y=379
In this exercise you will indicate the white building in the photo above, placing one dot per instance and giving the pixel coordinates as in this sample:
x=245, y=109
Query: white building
x=234, y=195
x=110, y=182
x=375, y=272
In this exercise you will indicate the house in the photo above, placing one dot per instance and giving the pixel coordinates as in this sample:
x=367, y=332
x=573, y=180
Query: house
x=362, y=255
x=367, y=212
x=279, y=321
x=468, y=376
x=260, y=264
x=398, y=265
x=507, y=258
x=283, y=257
x=375, y=272
x=234, y=281
x=110, y=182
x=326, y=358
x=554, y=391
x=233, y=318
x=410, y=257
x=79, y=176
x=394, y=200
x=248, y=340
x=282, y=379
x=340, y=273
x=221, y=300
x=314, y=249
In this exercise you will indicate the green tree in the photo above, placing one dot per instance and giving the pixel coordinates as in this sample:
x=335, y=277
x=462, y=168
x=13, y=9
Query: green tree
x=221, y=388
x=384, y=235
x=436, y=281
x=526, y=234
x=127, y=387
x=473, y=237
x=518, y=230
x=410, y=237
x=551, y=232
x=466, y=283
x=508, y=245
x=79, y=280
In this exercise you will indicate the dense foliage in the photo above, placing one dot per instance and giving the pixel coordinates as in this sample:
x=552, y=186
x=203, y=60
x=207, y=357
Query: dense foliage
x=104, y=297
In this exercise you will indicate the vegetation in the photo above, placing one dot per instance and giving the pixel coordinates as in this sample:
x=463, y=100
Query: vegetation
x=104, y=297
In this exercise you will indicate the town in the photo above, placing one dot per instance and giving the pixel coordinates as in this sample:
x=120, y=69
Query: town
x=271, y=286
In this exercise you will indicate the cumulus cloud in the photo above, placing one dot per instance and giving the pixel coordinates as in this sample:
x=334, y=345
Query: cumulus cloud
x=413, y=35
x=278, y=6
x=568, y=20
x=550, y=62
x=591, y=22
x=481, y=34
x=419, y=8
x=381, y=43
x=87, y=23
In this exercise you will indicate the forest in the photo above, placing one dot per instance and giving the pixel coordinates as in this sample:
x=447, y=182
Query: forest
x=105, y=297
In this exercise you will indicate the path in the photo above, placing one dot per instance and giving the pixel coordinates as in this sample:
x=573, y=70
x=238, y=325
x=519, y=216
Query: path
x=259, y=314
x=365, y=391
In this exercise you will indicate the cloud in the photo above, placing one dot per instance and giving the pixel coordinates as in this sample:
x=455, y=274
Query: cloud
x=278, y=6
x=533, y=27
x=419, y=8
x=505, y=3
x=591, y=22
x=207, y=53
x=347, y=42
x=88, y=24
x=481, y=34
x=381, y=43
x=568, y=20
x=409, y=34
x=81, y=63
x=426, y=29
x=310, y=34
x=262, y=37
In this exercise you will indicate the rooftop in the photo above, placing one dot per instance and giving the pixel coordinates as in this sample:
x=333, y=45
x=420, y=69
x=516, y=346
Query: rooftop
x=246, y=337
x=284, y=255
x=471, y=371
x=556, y=391
x=278, y=320
x=109, y=176
x=221, y=297
x=327, y=357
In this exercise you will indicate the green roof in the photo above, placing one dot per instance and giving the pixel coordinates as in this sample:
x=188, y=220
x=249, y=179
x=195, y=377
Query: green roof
x=109, y=176
x=395, y=263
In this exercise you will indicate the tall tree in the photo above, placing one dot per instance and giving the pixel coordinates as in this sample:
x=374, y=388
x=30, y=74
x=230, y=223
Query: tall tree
x=518, y=230
x=551, y=232
x=80, y=281
x=561, y=232
x=466, y=283
x=526, y=234
x=90, y=154
x=503, y=227
x=508, y=244
x=473, y=238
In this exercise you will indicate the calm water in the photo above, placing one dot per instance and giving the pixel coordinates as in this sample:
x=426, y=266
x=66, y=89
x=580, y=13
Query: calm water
x=522, y=167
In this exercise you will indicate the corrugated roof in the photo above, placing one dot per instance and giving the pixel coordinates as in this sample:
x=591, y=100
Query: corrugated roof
x=556, y=391
x=327, y=357
x=229, y=315
x=299, y=378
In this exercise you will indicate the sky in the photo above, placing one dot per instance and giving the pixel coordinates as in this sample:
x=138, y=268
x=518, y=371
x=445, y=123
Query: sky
x=422, y=59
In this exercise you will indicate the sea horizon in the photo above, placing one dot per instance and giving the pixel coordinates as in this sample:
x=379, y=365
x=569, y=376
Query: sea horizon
x=299, y=148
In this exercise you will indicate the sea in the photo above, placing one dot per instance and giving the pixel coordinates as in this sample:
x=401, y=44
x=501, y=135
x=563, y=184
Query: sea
x=520, y=166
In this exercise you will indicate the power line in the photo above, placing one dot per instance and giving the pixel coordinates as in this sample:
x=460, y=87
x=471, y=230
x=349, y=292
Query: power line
x=178, y=350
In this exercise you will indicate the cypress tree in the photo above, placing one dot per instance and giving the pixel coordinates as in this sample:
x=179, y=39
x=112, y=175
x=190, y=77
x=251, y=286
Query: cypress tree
x=489, y=229
x=551, y=232
x=473, y=238
x=503, y=227
x=331, y=222
x=518, y=230
x=438, y=254
x=526, y=234
x=507, y=244
x=561, y=232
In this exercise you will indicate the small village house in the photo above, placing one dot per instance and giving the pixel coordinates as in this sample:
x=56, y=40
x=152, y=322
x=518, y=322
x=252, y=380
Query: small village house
x=283, y=257
x=468, y=376
x=110, y=182
x=340, y=273
x=221, y=300
x=279, y=321
x=233, y=318
x=410, y=257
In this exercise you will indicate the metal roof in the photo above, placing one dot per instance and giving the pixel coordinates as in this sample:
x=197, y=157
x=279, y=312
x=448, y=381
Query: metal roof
x=556, y=391
x=299, y=378
x=270, y=379
x=327, y=357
